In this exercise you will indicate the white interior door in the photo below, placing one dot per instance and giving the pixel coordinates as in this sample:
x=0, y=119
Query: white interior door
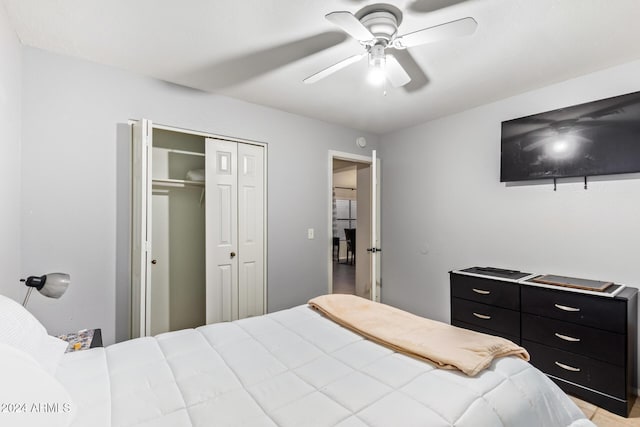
x=363, y=277
x=141, y=226
x=221, y=230
x=250, y=230
x=375, y=228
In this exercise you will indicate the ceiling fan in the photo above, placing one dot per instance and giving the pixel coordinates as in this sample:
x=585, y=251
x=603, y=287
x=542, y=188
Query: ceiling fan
x=376, y=28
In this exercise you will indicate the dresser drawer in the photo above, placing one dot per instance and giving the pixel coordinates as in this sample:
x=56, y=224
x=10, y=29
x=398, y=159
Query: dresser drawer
x=487, y=291
x=590, y=342
x=590, y=373
x=599, y=312
x=486, y=316
x=487, y=331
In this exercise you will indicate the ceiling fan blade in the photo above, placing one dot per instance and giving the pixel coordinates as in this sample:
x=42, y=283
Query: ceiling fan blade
x=458, y=28
x=333, y=68
x=396, y=73
x=351, y=25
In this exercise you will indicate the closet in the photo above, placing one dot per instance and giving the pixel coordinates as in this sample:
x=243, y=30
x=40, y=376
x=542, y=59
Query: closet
x=198, y=229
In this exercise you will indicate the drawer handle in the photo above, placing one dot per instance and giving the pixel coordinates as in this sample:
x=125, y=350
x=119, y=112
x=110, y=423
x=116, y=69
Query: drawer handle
x=482, y=316
x=567, y=338
x=480, y=291
x=566, y=307
x=567, y=367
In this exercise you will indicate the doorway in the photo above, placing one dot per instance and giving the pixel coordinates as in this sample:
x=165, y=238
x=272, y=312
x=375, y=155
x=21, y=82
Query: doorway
x=344, y=225
x=351, y=219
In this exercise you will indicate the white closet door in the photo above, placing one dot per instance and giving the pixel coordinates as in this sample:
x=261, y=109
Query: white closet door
x=221, y=230
x=141, y=227
x=250, y=230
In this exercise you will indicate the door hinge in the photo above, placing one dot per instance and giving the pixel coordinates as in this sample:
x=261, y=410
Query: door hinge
x=374, y=250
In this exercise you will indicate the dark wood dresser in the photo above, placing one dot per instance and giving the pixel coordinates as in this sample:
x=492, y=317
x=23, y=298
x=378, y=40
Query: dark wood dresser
x=586, y=343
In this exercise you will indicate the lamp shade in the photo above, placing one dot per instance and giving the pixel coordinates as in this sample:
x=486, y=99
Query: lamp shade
x=55, y=284
x=52, y=285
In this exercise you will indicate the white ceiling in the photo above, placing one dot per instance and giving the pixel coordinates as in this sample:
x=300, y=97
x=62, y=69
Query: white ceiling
x=261, y=50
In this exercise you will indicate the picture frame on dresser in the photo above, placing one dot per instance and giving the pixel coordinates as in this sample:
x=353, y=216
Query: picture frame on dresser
x=585, y=341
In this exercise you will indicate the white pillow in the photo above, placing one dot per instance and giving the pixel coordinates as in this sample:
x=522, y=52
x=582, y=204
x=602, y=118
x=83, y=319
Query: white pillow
x=29, y=396
x=20, y=329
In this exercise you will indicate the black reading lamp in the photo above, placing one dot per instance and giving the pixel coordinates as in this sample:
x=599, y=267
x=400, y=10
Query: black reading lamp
x=51, y=285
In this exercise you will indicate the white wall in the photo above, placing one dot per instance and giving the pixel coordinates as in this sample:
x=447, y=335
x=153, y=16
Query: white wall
x=444, y=208
x=75, y=202
x=10, y=105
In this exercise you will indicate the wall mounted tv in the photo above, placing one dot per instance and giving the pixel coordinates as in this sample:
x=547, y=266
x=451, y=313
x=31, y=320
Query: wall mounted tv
x=596, y=138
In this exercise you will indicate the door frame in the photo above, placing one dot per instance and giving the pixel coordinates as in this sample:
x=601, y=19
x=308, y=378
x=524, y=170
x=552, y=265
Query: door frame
x=139, y=327
x=350, y=157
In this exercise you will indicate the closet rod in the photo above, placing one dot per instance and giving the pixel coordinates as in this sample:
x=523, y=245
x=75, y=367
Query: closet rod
x=176, y=183
x=344, y=188
x=190, y=153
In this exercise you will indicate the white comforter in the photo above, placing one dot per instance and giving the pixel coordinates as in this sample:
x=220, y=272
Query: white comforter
x=296, y=368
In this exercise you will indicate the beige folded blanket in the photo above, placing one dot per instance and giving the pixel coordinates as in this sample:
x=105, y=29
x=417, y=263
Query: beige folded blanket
x=447, y=346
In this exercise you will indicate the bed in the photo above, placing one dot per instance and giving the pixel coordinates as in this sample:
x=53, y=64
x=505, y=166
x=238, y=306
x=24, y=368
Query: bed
x=293, y=367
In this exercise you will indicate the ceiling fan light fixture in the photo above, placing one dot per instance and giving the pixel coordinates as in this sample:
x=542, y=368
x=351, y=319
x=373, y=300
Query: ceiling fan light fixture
x=377, y=65
x=377, y=76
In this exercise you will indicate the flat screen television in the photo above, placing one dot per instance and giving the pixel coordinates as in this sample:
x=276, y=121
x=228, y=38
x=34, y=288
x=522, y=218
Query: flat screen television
x=595, y=138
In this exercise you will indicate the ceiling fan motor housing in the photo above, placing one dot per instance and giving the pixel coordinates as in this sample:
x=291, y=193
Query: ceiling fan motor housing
x=382, y=23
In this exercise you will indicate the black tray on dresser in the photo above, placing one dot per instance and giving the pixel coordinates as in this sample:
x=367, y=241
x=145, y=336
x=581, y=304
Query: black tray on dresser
x=584, y=341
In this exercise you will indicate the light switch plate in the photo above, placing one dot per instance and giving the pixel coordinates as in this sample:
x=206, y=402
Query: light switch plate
x=310, y=233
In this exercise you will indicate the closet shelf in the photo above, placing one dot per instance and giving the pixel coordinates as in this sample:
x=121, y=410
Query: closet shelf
x=176, y=183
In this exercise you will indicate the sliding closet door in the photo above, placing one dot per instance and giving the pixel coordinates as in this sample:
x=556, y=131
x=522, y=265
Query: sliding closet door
x=250, y=230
